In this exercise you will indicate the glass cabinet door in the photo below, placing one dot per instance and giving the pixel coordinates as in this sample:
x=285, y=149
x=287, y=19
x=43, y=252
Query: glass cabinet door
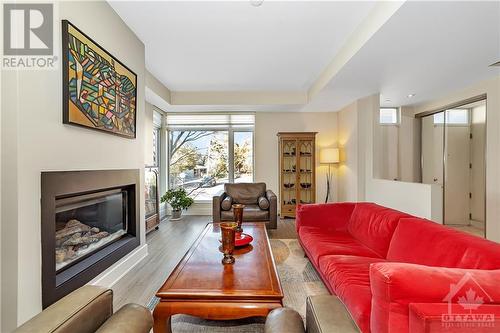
x=289, y=172
x=306, y=186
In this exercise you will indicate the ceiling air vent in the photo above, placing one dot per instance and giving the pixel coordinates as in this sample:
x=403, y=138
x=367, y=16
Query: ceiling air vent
x=496, y=64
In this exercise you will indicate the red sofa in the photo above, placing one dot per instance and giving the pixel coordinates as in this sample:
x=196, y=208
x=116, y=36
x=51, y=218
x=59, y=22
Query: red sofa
x=394, y=271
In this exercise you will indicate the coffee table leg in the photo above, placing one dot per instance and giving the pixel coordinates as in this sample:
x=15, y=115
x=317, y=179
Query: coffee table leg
x=162, y=319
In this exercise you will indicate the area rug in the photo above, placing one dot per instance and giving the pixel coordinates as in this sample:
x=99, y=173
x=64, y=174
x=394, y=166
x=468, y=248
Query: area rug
x=298, y=279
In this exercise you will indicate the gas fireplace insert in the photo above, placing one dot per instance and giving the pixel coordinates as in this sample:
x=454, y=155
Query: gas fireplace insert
x=90, y=219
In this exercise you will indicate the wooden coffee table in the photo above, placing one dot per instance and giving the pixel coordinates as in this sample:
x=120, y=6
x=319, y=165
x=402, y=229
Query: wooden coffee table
x=201, y=286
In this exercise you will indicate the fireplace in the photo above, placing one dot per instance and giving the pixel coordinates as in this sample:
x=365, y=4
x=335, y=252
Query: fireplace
x=89, y=221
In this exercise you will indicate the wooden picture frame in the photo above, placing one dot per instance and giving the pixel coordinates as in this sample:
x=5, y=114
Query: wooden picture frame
x=99, y=91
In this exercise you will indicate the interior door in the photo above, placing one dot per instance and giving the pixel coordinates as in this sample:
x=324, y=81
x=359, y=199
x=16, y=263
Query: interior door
x=477, y=171
x=457, y=170
x=432, y=149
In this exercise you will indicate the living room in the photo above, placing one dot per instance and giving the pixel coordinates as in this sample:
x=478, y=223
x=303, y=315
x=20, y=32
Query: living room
x=352, y=121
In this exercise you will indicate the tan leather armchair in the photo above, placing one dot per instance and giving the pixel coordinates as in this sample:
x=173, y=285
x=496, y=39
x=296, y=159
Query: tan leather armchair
x=324, y=314
x=261, y=204
x=89, y=309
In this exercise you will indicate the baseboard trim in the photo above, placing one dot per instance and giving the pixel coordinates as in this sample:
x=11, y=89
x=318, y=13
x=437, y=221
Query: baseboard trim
x=115, y=273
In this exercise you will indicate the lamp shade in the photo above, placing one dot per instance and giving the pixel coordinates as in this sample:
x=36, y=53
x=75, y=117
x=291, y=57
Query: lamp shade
x=329, y=155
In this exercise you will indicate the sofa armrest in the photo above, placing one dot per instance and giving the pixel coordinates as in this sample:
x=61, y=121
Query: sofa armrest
x=84, y=310
x=216, y=208
x=395, y=286
x=327, y=314
x=131, y=318
x=329, y=216
x=433, y=317
x=273, y=209
x=284, y=320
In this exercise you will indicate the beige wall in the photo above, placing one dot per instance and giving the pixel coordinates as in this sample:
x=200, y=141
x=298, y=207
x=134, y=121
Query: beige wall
x=38, y=141
x=398, y=155
x=416, y=199
x=268, y=124
x=388, y=155
x=491, y=88
x=357, y=125
x=348, y=175
x=157, y=87
x=409, y=146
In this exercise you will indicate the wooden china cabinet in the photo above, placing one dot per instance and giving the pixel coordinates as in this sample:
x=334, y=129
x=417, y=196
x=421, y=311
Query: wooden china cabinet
x=297, y=170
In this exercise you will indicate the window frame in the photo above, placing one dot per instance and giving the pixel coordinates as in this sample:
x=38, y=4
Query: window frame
x=230, y=129
x=398, y=116
x=157, y=130
x=446, y=122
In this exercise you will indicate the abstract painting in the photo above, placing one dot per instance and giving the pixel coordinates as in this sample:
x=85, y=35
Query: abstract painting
x=99, y=91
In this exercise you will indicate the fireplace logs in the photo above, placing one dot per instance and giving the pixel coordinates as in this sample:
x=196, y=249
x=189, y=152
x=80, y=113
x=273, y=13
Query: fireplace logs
x=75, y=237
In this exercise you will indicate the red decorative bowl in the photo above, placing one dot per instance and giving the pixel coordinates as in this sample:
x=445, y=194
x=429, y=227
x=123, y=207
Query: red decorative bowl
x=241, y=239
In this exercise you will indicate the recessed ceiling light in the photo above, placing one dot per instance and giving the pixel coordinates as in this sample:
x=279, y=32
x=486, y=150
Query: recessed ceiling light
x=411, y=95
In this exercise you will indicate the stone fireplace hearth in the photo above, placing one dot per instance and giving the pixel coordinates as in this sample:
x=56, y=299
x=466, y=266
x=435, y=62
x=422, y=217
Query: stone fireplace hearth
x=89, y=221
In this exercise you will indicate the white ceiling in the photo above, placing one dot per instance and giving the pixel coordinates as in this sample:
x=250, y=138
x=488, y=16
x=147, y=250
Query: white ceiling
x=235, y=46
x=427, y=48
x=159, y=102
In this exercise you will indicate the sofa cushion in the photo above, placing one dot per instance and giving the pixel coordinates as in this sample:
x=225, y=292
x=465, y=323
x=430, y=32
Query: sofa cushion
x=420, y=241
x=349, y=278
x=245, y=193
x=330, y=216
x=373, y=225
x=251, y=213
x=319, y=243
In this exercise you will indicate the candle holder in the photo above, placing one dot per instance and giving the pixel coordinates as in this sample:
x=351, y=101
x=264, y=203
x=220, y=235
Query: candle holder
x=238, y=216
x=228, y=231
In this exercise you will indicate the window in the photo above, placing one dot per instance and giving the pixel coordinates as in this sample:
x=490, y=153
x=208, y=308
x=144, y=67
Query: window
x=243, y=157
x=156, y=146
x=157, y=117
x=453, y=117
x=208, y=150
x=389, y=116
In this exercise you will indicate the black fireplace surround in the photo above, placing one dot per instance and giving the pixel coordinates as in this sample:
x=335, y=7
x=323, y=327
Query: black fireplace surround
x=90, y=219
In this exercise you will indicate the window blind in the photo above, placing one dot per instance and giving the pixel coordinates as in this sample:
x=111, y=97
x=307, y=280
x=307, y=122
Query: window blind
x=237, y=120
x=156, y=119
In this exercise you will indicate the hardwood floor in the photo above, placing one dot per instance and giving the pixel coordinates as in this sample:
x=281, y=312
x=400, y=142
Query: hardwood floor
x=469, y=229
x=166, y=247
